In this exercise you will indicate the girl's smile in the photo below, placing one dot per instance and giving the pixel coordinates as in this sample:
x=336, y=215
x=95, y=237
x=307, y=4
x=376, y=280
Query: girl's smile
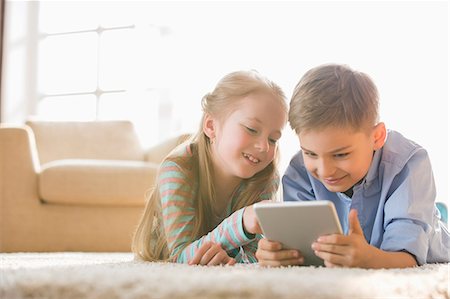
x=251, y=159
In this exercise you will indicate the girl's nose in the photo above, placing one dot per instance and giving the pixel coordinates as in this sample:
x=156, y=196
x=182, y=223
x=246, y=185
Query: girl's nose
x=262, y=144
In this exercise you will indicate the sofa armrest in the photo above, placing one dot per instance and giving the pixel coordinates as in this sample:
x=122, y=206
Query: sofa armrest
x=19, y=162
x=158, y=152
x=19, y=166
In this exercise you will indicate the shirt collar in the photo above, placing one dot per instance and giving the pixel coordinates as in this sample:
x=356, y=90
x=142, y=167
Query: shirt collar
x=372, y=174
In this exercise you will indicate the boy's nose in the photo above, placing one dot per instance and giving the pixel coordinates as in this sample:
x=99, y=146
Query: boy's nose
x=325, y=169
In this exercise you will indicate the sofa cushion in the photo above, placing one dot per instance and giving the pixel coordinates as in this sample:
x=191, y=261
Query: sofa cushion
x=108, y=140
x=96, y=182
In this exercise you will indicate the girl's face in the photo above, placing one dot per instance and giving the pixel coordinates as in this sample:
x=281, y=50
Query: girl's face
x=246, y=141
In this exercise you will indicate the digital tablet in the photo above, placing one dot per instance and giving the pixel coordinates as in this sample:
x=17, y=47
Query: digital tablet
x=298, y=224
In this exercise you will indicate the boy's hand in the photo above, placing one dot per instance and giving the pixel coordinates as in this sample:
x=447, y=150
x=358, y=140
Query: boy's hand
x=351, y=250
x=211, y=254
x=272, y=254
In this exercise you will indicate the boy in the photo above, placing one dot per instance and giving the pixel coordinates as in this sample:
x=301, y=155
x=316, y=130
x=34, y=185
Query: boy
x=380, y=182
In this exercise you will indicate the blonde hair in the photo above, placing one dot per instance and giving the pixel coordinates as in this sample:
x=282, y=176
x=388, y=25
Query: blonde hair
x=333, y=95
x=149, y=241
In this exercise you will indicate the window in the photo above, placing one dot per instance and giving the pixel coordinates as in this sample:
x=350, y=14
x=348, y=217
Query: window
x=97, y=62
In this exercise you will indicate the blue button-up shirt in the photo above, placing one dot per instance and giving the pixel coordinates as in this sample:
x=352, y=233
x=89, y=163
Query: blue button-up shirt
x=395, y=200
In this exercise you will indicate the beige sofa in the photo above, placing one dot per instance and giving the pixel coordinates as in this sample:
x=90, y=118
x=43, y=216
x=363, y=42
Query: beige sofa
x=73, y=186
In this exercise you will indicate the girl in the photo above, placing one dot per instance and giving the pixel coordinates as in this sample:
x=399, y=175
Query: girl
x=200, y=211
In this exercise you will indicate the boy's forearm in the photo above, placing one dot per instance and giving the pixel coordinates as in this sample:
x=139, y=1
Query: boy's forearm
x=388, y=259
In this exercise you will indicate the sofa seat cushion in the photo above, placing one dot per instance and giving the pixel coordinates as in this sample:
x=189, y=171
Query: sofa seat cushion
x=96, y=182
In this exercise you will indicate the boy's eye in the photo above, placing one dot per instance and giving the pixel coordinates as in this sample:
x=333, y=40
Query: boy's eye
x=273, y=141
x=343, y=155
x=309, y=154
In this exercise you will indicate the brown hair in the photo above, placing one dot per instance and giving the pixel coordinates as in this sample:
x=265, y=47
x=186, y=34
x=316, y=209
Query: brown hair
x=333, y=95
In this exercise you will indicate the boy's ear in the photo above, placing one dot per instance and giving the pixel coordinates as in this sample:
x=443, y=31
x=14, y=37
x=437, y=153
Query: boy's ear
x=209, y=126
x=379, y=135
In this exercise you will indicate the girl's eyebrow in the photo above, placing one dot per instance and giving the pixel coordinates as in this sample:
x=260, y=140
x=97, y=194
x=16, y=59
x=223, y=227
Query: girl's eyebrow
x=332, y=152
x=278, y=132
x=254, y=119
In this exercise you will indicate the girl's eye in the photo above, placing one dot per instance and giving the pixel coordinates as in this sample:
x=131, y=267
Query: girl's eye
x=273, y=141
x=251, y=130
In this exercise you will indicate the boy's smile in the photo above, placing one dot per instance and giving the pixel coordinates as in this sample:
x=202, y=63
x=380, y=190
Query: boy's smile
x=334, y=181
x=340, y=157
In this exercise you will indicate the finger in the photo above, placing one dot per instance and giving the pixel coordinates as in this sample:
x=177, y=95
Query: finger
x=200, y=252
x=231, y=262
x=209, y=254
x=279, y=255
x=330, y=248
x=354, y=225
x=266, y=244
x=337, y=239
x=220, y=258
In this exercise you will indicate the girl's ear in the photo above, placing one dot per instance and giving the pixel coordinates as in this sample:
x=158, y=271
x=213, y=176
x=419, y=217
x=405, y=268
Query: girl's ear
x=379, y=135
x=209, y=126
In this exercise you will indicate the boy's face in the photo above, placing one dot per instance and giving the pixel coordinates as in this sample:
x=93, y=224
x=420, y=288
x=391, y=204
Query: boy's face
x=338, y=157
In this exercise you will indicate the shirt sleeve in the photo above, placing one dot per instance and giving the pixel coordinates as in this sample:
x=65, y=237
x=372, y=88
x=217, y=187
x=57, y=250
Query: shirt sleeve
x=178, y=212
x=409, y=210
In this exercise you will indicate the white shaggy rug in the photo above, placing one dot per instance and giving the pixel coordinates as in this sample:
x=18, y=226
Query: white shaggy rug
x=117, y=275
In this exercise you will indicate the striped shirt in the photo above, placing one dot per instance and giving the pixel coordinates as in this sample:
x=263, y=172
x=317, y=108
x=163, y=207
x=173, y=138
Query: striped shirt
x=178, y=212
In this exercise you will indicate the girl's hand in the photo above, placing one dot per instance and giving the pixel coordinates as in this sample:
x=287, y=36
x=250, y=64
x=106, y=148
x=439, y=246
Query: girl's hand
x=211, y=254
x=250, y=221
x=272, y=254
x=351, y=250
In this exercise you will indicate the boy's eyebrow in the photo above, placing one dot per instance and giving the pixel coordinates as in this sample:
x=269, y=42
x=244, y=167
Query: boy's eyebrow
x=333, y=151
